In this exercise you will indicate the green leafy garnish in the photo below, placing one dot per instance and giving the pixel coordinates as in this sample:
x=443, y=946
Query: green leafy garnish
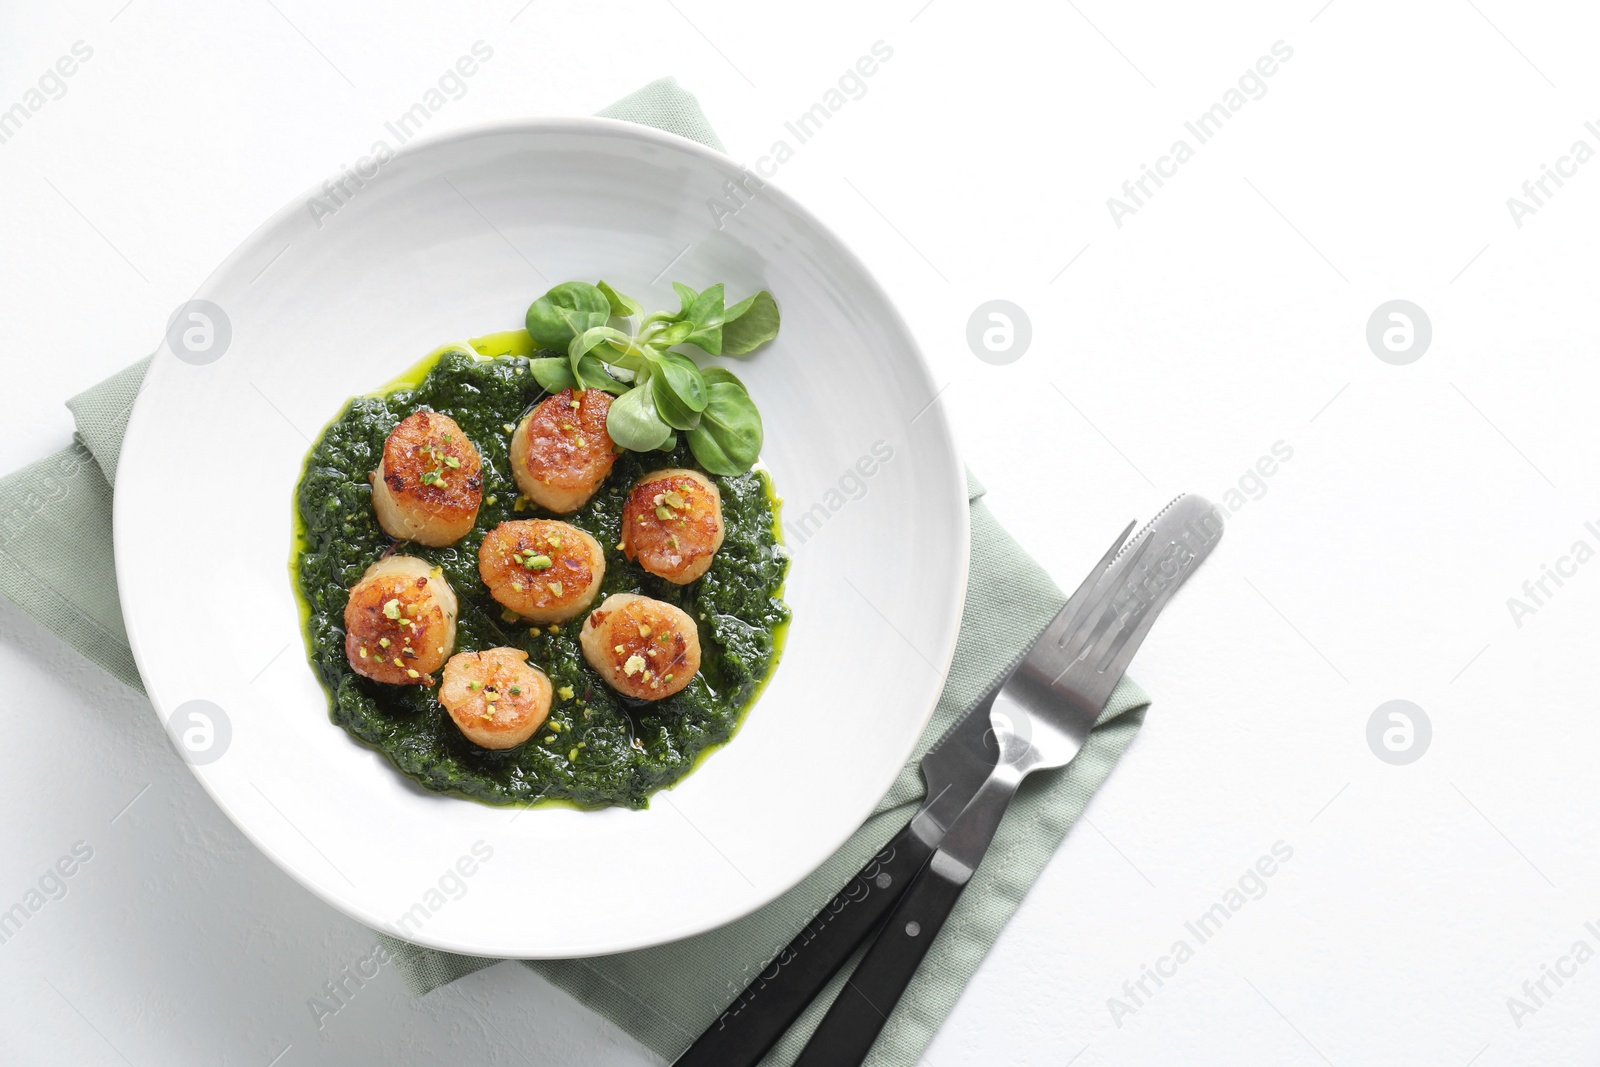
x=621, y=306
x=634, y=424
x=659, y=392
x=686, y=379
x=728, y=439
x=566, y=311
x=749, y=324
x=554, y=375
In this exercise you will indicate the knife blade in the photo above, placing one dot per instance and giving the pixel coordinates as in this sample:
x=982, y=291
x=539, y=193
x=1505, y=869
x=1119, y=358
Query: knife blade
x=953, y=769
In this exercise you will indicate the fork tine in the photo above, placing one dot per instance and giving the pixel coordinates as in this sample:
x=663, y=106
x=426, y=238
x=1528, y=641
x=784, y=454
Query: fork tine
x=1083, y=596
x=1138, y=546
x=1119, y=653
x=1081, y=635
x=1105, y=623
x=1115, y=651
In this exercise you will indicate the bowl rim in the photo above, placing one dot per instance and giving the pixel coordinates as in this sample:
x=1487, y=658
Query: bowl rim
x=123, y=507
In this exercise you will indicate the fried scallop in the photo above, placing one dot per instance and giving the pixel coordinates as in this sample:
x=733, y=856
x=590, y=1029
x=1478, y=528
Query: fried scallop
x=642, y=648
x=496, y=697
x=672, y=524
x=429, y=483
x=560, y=452
x=545, y=570
x=400, y=622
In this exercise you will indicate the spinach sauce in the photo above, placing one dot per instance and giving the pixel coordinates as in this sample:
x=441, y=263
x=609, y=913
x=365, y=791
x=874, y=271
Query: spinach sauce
x=607, y=749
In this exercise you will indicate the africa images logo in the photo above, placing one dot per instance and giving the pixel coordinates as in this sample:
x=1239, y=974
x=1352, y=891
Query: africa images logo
x=451, y=85
x=1202, y=128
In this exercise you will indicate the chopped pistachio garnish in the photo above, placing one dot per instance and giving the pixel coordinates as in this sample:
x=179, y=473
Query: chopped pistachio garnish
x=383, y=642
x=411, y=672
x=436, y=572
x=644, y=629
x=516, y=690
x=391, y=609
x=508, y=428
x=674, y=499
x=363, y=651
x=452, y=462
x=616, y=648
x=537, y=561
x=520, y=504
x=634, y=665
x=669, y=677
x=508, y=615
x=474, y=686
x=555, y=587
x=664, y=513
x=377, y=659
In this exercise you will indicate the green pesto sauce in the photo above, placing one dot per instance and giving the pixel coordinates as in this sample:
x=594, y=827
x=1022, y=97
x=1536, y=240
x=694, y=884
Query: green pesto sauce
x=628, y=749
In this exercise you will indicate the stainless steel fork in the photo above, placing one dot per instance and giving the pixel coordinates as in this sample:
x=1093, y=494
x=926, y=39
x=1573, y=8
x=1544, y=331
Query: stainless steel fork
x=1041, y=717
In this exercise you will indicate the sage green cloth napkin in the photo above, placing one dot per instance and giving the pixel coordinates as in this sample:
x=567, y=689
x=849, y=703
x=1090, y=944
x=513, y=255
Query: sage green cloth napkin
x=56, y=562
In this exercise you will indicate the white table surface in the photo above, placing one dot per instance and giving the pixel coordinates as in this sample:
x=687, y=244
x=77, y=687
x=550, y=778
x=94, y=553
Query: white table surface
x=1226, y=315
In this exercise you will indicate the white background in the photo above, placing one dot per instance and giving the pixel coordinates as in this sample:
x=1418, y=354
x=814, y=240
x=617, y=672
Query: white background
x=1226, y=315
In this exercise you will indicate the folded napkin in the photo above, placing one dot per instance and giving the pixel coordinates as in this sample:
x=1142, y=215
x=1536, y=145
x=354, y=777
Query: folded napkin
x=56, y=563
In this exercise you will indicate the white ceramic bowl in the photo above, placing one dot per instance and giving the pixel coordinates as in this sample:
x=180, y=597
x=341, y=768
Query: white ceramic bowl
x=453, y=238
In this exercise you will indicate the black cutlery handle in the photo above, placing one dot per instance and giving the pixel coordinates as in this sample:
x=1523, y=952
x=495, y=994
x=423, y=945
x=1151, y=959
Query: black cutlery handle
x=772, y=1001
x=855, y=1019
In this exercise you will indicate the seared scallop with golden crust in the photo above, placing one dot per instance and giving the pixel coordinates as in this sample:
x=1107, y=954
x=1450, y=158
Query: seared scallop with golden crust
x=400, y=622
x=672, y=524
x=496, y=697
x=429, y=483
x=545, y=570
x=642, y=648
x=560, y=452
